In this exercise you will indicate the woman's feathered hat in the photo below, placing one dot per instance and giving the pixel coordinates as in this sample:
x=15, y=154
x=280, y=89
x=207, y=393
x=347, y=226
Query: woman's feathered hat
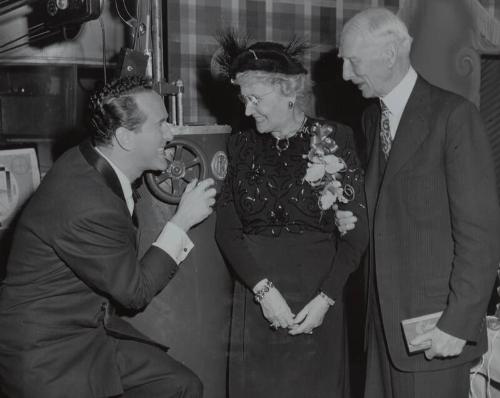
x=236, y=55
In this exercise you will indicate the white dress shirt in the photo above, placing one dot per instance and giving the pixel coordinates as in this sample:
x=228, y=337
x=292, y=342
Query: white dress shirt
x=397, y=99
x=172, y=240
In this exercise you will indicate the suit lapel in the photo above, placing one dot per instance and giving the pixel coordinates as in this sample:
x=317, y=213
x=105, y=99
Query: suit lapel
x=102, y=167
x=411, y=131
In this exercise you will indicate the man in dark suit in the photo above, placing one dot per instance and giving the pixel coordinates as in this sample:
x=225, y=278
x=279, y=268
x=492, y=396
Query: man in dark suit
x=74, y=261
x=433, y=216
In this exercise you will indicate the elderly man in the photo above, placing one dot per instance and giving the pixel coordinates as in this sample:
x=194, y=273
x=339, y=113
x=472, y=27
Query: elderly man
x=433, y=216
x=74, y=260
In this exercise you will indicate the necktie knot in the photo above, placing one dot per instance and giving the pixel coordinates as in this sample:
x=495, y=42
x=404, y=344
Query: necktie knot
x=385, y=129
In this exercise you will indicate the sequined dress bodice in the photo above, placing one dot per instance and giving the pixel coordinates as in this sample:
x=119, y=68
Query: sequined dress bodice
x=267, y=185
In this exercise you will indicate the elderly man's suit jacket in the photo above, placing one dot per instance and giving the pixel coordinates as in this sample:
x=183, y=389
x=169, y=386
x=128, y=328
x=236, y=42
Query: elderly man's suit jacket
x=74, y=258
x=434, y=222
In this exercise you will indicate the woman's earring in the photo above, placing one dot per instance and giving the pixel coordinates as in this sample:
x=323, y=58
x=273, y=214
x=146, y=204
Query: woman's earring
x=290, y=105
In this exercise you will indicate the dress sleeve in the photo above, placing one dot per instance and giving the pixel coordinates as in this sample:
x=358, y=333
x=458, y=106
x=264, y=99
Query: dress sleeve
x=229, y=229
x=352, y=245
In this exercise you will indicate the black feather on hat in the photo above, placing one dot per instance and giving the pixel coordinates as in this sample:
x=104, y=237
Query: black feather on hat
x=236, y=56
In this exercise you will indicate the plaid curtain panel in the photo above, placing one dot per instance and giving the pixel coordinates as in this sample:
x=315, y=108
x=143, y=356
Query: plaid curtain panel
x=191, y=26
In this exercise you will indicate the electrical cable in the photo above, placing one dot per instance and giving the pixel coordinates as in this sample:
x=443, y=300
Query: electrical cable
x=32, y=31
x=126, y=10
x=138, y=19
x=103, y=49
x=13, y=6
x=33, y=39
x=8, y=2
x=16, y=3
x=36, y=27
x=120, y=15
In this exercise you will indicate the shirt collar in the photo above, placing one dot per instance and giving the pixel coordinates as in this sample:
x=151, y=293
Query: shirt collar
x=124, y=181
x=396, y=100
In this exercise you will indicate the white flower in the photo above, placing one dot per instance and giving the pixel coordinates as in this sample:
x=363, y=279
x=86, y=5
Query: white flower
x=324, y=168
x=336, y=189
x=314, y=172
x=317, y=159
x=333, y=164
x=327, y=199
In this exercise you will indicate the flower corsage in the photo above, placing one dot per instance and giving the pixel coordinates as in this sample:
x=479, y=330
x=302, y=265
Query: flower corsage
x=325, y=168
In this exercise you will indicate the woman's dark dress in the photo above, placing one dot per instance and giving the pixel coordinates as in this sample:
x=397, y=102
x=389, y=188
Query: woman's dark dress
x=269, y=225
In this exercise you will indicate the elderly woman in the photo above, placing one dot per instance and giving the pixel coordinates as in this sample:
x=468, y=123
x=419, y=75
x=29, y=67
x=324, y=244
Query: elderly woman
x=276, y=229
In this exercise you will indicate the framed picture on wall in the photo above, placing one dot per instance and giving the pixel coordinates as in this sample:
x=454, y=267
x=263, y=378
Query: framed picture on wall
x=19, y=178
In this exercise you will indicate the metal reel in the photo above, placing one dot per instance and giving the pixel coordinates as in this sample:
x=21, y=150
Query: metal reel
x=186, y=162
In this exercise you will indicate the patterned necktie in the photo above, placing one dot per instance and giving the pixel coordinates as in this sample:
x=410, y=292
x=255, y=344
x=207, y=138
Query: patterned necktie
x=385, y=130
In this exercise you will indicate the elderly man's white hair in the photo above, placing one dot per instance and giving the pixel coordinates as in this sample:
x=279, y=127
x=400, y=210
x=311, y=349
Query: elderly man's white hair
x=379, y=25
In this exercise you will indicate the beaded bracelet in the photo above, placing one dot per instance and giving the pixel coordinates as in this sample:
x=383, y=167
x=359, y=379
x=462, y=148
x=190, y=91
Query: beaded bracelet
x=259, y=294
